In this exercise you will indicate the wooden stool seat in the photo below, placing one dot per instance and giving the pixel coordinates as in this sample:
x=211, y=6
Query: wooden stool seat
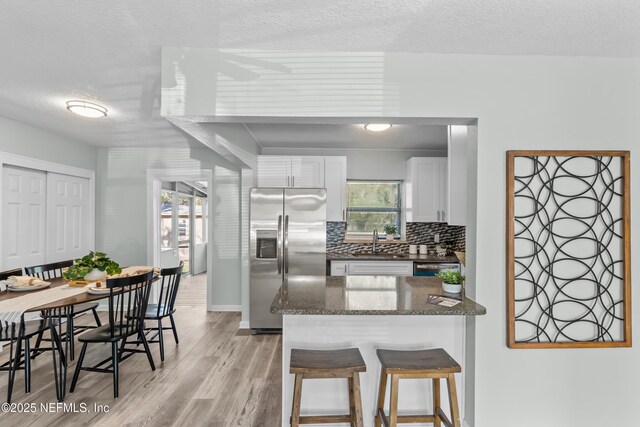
x=344, y=363
x=348, y=360
x=434, y=364
x=398, y=361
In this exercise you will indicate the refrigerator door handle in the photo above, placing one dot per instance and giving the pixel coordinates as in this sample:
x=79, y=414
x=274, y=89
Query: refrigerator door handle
x=285, y=260
x=279, y=244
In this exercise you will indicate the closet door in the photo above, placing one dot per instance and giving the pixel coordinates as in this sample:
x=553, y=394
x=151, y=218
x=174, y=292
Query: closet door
x=69, y=224
x=23, y=221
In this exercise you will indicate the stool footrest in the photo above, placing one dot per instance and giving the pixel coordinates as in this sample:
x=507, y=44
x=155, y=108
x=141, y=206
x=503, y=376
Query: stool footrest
x=324, y=419
x=426, y=418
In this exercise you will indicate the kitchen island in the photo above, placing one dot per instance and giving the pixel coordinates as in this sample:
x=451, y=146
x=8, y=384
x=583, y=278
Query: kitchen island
x=368, y=312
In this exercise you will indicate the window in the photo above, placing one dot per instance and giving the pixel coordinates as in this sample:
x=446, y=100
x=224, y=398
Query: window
x=166, y=219
x=371, y=205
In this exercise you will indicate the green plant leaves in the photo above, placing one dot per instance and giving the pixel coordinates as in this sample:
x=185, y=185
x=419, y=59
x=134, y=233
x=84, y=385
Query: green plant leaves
x=451, y=277
x=82, y=266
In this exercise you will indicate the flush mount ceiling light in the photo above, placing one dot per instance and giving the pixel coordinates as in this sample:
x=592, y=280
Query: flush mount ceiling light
x=86, y=109
x=377, y=127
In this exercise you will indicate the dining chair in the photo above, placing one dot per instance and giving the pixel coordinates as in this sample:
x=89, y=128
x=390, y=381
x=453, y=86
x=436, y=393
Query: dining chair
x=128, y=299
x=18, y=335
x=170, y=281
x=53, y=271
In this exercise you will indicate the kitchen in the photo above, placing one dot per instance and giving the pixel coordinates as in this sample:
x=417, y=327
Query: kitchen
x=332, y=247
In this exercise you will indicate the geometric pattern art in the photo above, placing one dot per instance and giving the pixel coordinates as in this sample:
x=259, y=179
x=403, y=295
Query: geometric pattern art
x=568, y=249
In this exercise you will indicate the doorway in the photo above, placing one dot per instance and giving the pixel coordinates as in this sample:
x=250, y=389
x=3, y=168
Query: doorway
x=180, y=230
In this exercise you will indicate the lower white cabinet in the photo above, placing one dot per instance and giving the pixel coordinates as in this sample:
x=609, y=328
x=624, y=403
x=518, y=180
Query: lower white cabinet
x=372, y=268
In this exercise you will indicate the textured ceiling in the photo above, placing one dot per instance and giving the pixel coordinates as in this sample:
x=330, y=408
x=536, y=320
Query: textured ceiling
x=400, y=136
x=53, y=50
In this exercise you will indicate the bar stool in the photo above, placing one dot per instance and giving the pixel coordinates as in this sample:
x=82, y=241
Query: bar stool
x=420, y=364
x=346, y=363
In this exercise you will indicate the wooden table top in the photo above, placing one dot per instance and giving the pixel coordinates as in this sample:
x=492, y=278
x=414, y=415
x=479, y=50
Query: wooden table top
x=64, y=302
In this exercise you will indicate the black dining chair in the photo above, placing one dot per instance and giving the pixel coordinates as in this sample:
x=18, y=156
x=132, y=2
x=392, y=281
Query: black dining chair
x=128, y=299
x=18, y=335
x=54, y=271
x=170, y=281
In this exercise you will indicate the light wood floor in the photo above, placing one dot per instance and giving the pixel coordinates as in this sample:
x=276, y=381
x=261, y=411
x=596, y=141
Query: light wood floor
x=217, y=376
x=192, y=291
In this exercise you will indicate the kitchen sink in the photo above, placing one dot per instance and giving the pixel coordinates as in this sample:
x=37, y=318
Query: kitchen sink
x=379, y=255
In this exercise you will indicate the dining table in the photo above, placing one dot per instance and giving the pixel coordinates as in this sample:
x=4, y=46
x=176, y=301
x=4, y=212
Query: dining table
x=57, y=312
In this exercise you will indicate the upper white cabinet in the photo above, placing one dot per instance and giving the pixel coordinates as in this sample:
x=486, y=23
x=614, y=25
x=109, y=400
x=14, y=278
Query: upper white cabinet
x=307, y=171
x=335, y=179
x=426, y=189
x=291, y=171
x=274, y=171
x=458, y=142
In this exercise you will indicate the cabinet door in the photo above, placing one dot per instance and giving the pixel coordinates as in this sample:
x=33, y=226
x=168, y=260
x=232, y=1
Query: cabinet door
x=456, y=211
x=339, y=268
x=443, y=191
x=274, y=171
x=335, y=179
x=380, y=268
x=307, y=171
x=423, y=189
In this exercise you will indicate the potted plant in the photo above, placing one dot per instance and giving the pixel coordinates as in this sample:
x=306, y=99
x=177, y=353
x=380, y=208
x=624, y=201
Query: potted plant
x=92, y=267
x=390, y=230
x=451, y=281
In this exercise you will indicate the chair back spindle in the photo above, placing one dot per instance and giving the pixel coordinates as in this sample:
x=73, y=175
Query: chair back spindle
x=170, y=281
x=128, y=298
x=48, y=271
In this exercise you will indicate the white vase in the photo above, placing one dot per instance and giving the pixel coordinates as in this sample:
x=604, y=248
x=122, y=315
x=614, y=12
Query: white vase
x=452, y=288
x=95, y=275
x=389, y=237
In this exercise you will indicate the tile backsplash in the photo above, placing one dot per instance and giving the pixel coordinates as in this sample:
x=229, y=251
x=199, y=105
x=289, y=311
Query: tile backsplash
x=418, y=233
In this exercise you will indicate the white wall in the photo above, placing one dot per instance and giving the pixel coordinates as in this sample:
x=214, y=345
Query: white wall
x=122, y=209
x=26, y=140
x=366, y=164
x=520, y=103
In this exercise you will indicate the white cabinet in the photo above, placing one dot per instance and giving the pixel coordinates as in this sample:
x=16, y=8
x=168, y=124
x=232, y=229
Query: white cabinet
x=372, y=268
x=426, y=189
x=339, y=268
x=274, y=171
x=291, y=171
x=459, y=140
x=335, y=180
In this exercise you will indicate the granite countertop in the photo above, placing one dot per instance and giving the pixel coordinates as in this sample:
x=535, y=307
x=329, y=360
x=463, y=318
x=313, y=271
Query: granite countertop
x=366, y=295
x=391, y=257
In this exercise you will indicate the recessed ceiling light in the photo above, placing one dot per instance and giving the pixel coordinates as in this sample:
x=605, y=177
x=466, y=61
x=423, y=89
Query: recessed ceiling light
x=86, y=109
x=377, y=127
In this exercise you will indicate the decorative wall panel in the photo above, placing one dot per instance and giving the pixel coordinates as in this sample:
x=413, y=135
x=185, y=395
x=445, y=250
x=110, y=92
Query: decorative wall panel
x=568, y=249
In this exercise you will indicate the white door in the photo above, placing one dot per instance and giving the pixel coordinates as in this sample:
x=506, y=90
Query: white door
x=68, y=217
x=274, y=171
x=307, y=171
x=23, y=222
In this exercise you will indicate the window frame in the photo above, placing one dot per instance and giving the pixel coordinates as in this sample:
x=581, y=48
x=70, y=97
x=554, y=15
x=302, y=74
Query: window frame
x=398, y=209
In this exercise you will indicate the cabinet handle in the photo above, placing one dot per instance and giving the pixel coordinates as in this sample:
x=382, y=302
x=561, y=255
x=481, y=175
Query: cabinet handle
x=293, y=181
x=288, y=178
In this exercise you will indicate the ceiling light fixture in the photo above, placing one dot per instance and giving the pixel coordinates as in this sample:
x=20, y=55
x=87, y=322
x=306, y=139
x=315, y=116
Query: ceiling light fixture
x=377, y=127
x=86, y=109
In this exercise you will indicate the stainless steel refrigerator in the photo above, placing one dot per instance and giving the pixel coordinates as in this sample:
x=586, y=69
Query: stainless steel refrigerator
x=288, y=237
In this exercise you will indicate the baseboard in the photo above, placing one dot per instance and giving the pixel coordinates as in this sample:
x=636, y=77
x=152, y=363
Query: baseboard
x=224, y=308
x=244, y=324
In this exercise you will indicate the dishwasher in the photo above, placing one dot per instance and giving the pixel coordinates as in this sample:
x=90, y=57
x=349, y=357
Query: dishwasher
x=433, y=268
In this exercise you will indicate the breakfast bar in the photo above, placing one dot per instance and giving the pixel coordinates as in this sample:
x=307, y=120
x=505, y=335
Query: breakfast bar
x=369, y=313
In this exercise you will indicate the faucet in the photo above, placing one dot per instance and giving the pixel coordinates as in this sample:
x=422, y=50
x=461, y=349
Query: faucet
x=375, y=240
